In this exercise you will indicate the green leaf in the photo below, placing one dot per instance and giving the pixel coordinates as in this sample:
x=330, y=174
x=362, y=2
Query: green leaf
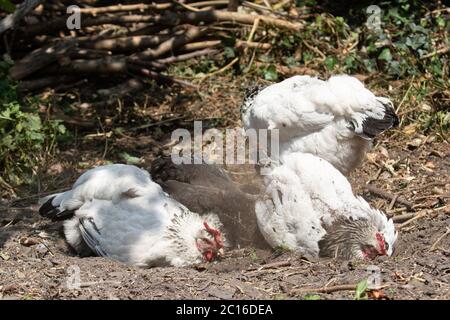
x=229, y=52
x=330, y=62
x=7, y=6
x=270, y=73
x=360, y=292
x=440, y=21
x=385, y=55
x=130, y=159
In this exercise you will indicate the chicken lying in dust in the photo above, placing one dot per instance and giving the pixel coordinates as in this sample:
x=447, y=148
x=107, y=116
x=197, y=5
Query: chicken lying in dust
x=117, y=211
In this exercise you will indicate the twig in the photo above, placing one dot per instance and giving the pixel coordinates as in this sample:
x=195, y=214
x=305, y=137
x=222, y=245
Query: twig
x=403, y=217
x=212, y=3
x=386, y=195
x=228, y=66
x=433, y=247
x=392, y=204
x=417, y=216
x=186, y=56
x=186, y=6
x=46, y=82
x=22, y=10
x=149, y=125
x=130, y=7
x=40, y=58
x=215, y=43
x=412, y=216
x=128, y=43
x=342, y=287
x=171, y=44
x=273, y=265
x=432, y=54
x=60, y=23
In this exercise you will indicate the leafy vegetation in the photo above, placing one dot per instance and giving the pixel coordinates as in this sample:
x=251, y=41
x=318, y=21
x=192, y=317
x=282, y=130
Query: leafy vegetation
x=360, y=292
x=25, y=137
x=402, y=42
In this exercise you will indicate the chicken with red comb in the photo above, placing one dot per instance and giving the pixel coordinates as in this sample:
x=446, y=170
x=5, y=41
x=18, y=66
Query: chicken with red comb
x=117, y=211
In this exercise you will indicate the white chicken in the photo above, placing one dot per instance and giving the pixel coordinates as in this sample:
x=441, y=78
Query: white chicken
x=117, y=211
x=334, y=119
x=309, y=207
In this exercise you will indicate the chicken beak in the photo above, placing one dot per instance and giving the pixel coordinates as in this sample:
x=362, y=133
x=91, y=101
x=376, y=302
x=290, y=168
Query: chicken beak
x=220, y=253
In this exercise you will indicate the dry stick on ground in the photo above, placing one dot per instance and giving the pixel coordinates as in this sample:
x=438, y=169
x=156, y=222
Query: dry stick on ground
x=272, y=265
x=212, y=3
x=403, y=217
x=386, y=195
x=170, y=45
x=342, y=287
x=21, y=11
x=45, y=82
x=128, y=43
x=127, y=8
x=439, y=51
x=186, y=56
x=434, y=246
x=98, y=66
x=169, y=19
x=89, y=54
x=419, y=215
x=193, y=46
x=228, y=66
x=217, y=16
x=410, y=217
x=60, y=23
x=40, y=58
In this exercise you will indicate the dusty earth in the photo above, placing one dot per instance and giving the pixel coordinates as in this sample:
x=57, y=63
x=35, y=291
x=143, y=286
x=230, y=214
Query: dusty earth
x=35, y=262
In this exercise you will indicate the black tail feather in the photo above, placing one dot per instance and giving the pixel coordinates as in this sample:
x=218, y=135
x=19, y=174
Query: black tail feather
x=249, y=95
x=49, y=211
x=372, y=127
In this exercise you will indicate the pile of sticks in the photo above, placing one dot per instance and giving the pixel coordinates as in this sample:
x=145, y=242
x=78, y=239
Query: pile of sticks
x=130, y=41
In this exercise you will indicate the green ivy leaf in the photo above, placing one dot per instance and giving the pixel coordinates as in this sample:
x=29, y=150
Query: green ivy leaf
x=271, y=73
x=385, y=55
x=440, y=22
x=330, y=62
x=229, y=52
x=360, y=293
x=130, y=159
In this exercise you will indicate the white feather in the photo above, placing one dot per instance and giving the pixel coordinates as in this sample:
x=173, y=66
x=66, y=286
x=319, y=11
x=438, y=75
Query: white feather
x=324, y=118
x=303, y=195
x=129, y=216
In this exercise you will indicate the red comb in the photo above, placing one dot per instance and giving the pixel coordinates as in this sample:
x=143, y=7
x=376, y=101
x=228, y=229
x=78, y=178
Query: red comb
x=216, y=234
x=210, y=229
x=380, y=240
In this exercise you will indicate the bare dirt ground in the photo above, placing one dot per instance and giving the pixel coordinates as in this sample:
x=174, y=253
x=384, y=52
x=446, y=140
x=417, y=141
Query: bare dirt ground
x=35, y=262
